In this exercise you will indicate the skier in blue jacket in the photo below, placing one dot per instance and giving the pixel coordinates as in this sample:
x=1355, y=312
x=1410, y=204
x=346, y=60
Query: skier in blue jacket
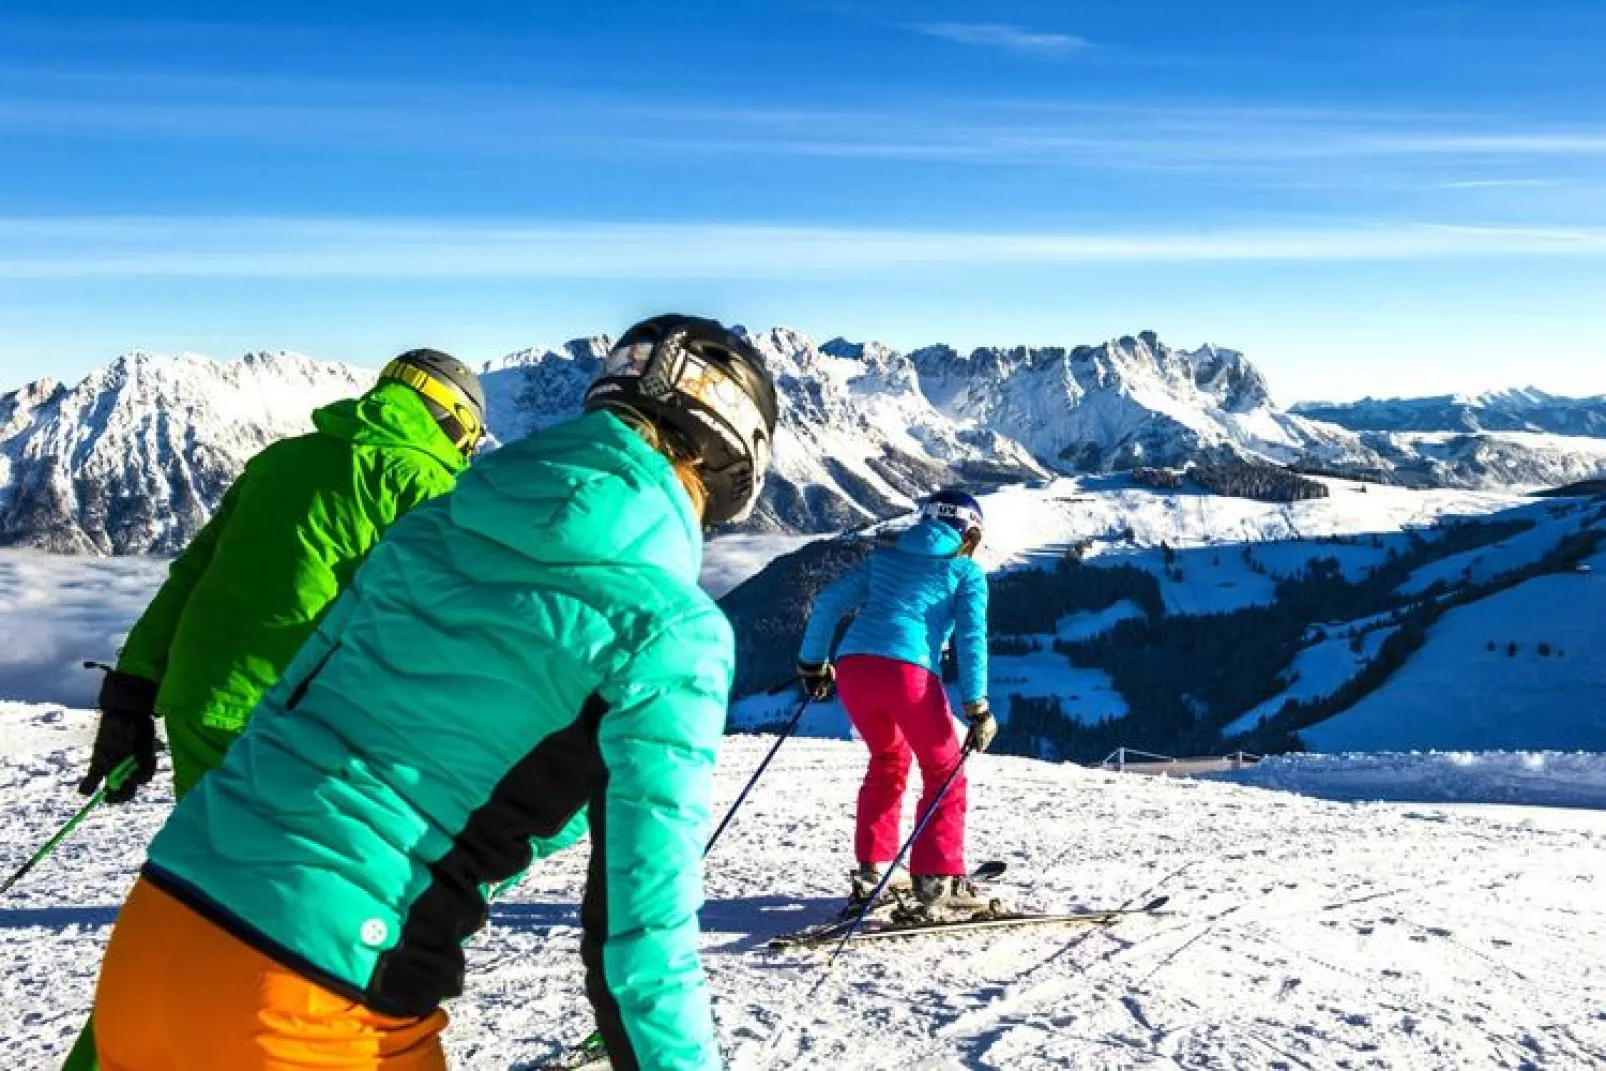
x=909, y=599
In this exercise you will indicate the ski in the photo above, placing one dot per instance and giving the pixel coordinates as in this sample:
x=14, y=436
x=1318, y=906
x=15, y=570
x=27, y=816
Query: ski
x=881, y=930
x=824, y=931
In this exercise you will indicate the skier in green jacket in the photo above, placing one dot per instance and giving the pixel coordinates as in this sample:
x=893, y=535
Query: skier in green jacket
x=285, y=542
x=518, y=661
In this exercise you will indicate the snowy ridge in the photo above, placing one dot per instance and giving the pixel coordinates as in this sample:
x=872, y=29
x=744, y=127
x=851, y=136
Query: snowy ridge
x=857, y=441
x=1301, y=932
x=1510, y=459
x=134, y=458
x=1527, y=409
x=1131, y=401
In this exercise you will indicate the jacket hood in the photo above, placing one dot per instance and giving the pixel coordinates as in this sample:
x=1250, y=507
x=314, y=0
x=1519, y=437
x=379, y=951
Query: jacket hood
x=390, y=415
x=586, y=491
x=931, y=539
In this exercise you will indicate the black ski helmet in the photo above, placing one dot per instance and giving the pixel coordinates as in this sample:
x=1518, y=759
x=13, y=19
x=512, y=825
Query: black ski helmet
x=450, y=389
x=957, y=509
x=708, y=389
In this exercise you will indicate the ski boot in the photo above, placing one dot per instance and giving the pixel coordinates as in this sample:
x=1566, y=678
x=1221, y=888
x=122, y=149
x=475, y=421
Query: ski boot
x=863, y=880
x=946, y=898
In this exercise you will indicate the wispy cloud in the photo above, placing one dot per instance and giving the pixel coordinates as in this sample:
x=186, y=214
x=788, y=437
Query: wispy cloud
x=1004, y=36
x=503, y=122
x=376, y=248
x=1499, y=184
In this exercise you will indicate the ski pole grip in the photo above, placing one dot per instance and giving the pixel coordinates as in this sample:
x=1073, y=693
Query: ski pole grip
x=123, y=771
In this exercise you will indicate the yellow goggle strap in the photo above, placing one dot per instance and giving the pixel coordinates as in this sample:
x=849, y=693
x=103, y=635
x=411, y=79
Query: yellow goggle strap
x=444, y=394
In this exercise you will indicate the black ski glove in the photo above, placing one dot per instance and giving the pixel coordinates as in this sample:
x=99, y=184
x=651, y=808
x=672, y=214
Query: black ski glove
x=818, y=680
x=983, y=727
x=127, y=730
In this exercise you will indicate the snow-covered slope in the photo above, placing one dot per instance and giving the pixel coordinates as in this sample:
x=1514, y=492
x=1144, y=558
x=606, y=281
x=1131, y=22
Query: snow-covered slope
x=1111, y=515
x=1319, y=601
x=1301, y=933
x=135, y=457
x=1523, y=669
x=1506, y=410
x=1316, y=672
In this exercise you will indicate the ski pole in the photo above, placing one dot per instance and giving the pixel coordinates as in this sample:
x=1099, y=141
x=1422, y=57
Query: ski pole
x=920, y=827
x=114, y=781
x=797, y=716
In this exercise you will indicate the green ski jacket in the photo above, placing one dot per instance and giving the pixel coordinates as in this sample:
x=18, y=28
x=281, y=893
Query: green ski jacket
x=286, y=540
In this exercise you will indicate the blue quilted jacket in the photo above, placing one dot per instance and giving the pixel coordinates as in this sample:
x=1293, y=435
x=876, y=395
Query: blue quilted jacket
x=909, y=598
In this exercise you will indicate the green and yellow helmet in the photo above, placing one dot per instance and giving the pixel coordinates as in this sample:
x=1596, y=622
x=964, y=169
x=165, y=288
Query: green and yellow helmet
x=450, y=389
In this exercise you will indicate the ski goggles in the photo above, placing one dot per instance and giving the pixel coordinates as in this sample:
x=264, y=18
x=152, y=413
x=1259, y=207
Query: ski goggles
x=967, y=517
x=668, y=368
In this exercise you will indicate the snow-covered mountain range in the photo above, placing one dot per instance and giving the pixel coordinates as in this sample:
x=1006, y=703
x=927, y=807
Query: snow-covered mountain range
x=134, y=457
x=1507, y=410
x=1128, y=402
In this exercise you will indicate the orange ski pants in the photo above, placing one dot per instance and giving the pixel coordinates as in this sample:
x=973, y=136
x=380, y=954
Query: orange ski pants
x=178, y=993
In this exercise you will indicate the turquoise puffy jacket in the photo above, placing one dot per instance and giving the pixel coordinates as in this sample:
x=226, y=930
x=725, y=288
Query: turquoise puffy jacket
x=909, y=599
x=529, y=644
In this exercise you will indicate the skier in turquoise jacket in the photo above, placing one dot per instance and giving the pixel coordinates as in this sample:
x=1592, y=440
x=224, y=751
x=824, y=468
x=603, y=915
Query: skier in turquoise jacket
x=908, y=600
x=521, y=660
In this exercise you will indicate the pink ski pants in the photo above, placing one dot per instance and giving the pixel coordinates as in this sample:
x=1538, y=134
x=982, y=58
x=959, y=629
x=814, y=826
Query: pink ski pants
x=902, y=713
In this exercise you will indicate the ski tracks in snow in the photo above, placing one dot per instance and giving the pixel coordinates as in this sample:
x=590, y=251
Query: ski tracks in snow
x=1300, y=933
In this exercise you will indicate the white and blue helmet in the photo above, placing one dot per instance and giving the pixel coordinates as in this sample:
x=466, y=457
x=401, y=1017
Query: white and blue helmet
x=956, y=509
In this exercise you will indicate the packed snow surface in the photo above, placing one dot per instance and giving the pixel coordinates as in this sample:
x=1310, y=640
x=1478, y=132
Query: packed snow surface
x=1301, y=932
x=1550, y=778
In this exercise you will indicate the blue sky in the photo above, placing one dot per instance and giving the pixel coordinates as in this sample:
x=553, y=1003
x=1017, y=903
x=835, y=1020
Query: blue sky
x=1367, y=197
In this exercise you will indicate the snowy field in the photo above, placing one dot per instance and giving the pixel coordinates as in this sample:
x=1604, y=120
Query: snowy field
x=1303, y=934
x=1034, y=524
